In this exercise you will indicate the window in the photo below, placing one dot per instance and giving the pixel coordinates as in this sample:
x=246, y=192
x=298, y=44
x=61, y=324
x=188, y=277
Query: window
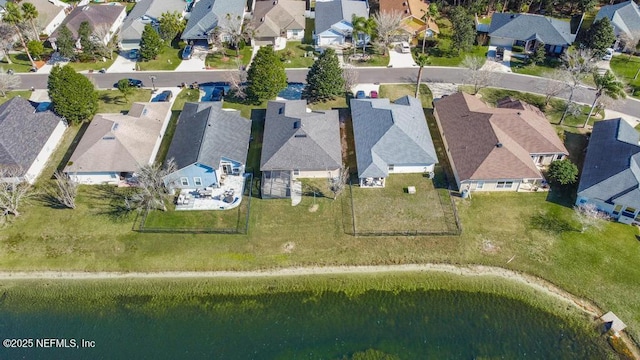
x=391, y=167
x=479, y=184
x=281, y=110
x=184, y=181
x=617, y=209
x=295, y=32
x=296, y=125
x=296, y=172
x=559, y=157
x=197, y=181
x=630, y=210
x=504, y=184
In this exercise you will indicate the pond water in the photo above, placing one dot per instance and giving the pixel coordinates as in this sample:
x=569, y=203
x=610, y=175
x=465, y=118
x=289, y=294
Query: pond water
x=303, y=325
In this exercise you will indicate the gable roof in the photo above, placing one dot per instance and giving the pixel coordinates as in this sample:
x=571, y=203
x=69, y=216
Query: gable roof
x=295, y=139
x=47, y=11
x=331, y=12
x=120, y=143
x=207, y=14
x=611, y=170
x=495, y=143
x=133, y=24
x=270, y=17
x=95, y=15
x=206, y=133
x=23, y=132
x=529, y=26
x=390, y=133
x=624, y=16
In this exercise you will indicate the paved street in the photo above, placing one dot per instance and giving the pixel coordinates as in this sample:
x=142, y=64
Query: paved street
x=378, y=75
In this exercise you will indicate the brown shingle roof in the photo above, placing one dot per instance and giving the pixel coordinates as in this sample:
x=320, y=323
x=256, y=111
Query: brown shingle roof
x=495, y=143
x=95, y=15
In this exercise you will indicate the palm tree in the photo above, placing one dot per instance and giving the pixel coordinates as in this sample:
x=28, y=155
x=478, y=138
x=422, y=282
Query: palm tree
x=421, y=60
x=13, y=16
x=30, y=13
x=362, y=26
x=431, y=13
x=606, y=84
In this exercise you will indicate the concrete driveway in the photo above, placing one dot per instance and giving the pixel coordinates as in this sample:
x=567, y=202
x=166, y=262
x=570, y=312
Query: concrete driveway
x=197, y=61
x=398, y=59
x=366, y=87
x=498, y=66
x=122, y=63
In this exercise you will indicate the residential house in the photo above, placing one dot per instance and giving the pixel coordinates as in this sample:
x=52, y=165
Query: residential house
x=496, y=149
x=209, y=145
x=209, y=14
x=391, y=138
x=333, y=20
x=415, y=23
x=298, y=144
x=611, y=171
x=105, y=20
x=50, y=15
x=145, y=12
x=276, y=21
x=625, y=18
x=28, y=137
x=528, y=30
x=115, y=146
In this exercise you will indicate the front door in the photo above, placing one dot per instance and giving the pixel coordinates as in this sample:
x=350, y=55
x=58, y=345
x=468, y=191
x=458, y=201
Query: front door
x=226, y=168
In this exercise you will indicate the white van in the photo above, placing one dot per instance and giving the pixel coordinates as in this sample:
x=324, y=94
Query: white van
x=608, y=55
x=405, y=48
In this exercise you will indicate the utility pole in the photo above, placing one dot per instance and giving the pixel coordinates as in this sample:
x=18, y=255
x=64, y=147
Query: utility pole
x=153, y=78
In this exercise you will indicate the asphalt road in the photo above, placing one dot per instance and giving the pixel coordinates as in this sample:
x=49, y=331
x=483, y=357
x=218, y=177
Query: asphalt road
x=370, y=75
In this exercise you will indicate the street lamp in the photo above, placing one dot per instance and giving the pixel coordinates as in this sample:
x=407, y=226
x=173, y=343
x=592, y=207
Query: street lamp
x=153, y=78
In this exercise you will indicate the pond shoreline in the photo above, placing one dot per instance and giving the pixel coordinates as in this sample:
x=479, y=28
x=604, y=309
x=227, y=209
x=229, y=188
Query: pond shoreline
x=534, y=282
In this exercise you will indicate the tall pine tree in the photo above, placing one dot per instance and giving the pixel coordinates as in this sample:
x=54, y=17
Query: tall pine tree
x=463, y=28
x=324, y=79
x=151, y=43
x=600, y=37
x=266, y=76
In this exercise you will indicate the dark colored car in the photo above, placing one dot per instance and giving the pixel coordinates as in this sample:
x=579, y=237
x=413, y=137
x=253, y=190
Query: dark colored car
x=164, y=96
x=499, y=53
x=133, y=54
x=217, y=93
x=187, y=52
x=133, y=83
x=361, y=95
x=373, y=94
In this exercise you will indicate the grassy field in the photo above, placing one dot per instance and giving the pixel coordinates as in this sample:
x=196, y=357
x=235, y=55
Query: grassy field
x=227, y=59
x=293, y=55
x=112, y=101
x=626, y=69
x=168, y=59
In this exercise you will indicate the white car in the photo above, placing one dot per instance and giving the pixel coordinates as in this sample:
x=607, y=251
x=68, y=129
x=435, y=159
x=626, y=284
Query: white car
x=608, y=54
x=405, y=48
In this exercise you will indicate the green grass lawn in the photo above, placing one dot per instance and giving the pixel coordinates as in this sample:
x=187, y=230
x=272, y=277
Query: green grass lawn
x=519, y=66
x=185, y=95
x=112, y=101
x=293, y=55
x=19, y=63
x=376, y=58
x=95, y=66
x=626, y=69
x=394, y=92
x=228, y=59
x=11, y=94
x=443, y=54
x=168, y=59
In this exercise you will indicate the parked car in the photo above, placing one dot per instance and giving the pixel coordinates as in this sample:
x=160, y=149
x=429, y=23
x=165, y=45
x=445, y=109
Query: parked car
x=164, y=96
x=360, y=95
x=499, y=53
x=187, y=52
x=608, y=54
x=133, y=54
x=133, y=83
x=373, y=94
x=405, y=48
x=217, y=93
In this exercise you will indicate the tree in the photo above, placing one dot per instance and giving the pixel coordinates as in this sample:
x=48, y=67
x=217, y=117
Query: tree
x=576, y=64
x=266, y=76
x=237, y=83
x=236, y=31
x=6, y=40
x=588, y=216
x=386, y=24
x=151, y=191
x=350, y=75
x=606, y=84
x=563, y=172
x=105, y=50
x=422, y=60
x=463, y=29
x=8, y=82
x=150, y=44
x=431, y=13
x=73, y=95
x=630, y=42
x=65, y=191
x=476, y=76
x=324, y=79
x=337, y=184
x=35, y=48
x=554, y=86
x=65, y=42
x=170, y=25
x=600, y=37
x=84, y=34
x=12, y=15
x=30, y=13
x=363, y=28
x=124, y=88
x=13, y=194
x=539, y=55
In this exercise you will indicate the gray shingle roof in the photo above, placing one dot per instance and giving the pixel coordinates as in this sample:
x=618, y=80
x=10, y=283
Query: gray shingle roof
x=133, y=25
x=95, y=15
x=23, y=133
x=297, y=139
x=331, y=12
x=611, y=170
x=207, y=14
x=390, y=133
x=529, y=26
x=624, y=16
x=205, y=134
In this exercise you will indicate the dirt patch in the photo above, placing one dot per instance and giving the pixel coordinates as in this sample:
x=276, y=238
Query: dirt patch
x=288, y=247
x=313, y=208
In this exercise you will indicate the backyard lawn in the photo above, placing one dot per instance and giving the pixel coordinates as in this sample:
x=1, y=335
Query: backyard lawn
x=626, y=69
x=168, y=59
x=295, y=55
x=112, y=101
x=228, y=59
